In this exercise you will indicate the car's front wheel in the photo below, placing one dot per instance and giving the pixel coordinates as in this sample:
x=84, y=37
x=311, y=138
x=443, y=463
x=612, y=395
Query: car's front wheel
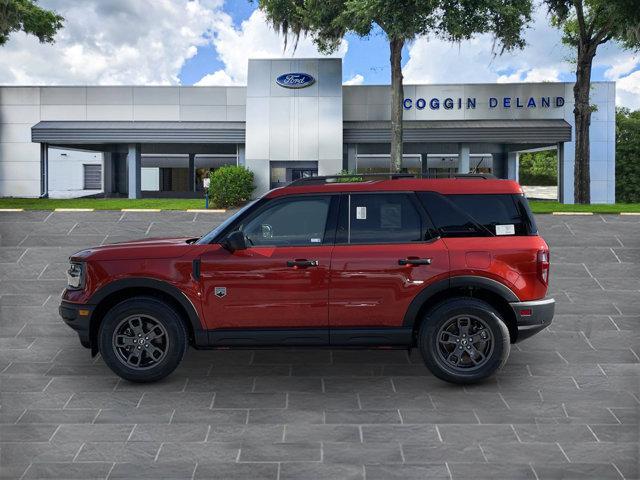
x=142, y=339
x=464, y=340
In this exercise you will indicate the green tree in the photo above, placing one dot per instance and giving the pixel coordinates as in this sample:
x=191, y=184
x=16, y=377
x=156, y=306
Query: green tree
x=587, y=24
x=28, y=17
x=328, y=21
x=627, y=156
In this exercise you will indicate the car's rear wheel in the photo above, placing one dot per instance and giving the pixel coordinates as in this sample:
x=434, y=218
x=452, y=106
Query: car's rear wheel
x=464, y=340
x=142, y=339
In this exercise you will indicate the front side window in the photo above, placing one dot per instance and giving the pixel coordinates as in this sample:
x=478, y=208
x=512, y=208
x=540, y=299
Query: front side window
x=379, y=218
x=294, y=222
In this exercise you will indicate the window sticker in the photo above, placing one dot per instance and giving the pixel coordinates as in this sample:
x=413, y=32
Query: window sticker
x=361, y=213
x=390, y=215
x=316, y=240
x=505, y=230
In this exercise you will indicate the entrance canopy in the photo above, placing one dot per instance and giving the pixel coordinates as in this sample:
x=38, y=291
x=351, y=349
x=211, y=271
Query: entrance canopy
x=80, y=132
x=498, y=131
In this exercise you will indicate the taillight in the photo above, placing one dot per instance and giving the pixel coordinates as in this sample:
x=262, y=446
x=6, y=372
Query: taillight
x=543, y=266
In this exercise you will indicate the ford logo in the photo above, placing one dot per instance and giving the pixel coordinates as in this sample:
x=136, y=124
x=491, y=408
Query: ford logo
x=295, y=80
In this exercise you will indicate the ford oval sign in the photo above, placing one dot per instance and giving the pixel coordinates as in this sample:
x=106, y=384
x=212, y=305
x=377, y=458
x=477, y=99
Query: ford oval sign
x=295, y=80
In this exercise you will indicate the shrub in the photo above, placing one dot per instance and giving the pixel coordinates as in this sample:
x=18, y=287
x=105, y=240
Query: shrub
x=627, y=156
x=346, y=178
x=230, y=186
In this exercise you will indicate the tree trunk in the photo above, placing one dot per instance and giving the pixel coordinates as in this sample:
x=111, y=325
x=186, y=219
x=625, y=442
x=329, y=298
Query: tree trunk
x=397, y=98
x=582, y=115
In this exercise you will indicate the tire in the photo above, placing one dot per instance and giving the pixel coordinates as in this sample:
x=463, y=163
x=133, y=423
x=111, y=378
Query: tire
x=442, y=333
x=146, y=330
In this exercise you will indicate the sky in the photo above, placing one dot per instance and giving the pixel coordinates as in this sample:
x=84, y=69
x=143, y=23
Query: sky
x=208, y=42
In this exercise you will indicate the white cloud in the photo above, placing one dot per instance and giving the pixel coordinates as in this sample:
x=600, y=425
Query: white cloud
x=219, y=77
x=436, y=61
x=545, y=58
x=357, y=79
x=622, y=65
x=628, y=91
x=531, y=75
x=114, y=42
x=253, y=39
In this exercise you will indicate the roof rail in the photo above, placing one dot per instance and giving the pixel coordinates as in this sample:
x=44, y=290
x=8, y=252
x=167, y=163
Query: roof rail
x=485, y=176
x=349, y=177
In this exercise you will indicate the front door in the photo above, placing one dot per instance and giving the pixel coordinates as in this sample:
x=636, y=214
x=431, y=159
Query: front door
x=282, y=279
x=386, y=252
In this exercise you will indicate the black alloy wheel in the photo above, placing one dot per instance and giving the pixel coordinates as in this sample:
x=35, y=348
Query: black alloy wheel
x=142, y=339
x=463, y=340
x=140, y=342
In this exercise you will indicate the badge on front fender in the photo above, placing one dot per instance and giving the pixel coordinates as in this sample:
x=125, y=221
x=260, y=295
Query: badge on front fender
x=220, y=292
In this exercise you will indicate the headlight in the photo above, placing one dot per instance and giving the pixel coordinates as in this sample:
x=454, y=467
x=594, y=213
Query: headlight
x=75, y=276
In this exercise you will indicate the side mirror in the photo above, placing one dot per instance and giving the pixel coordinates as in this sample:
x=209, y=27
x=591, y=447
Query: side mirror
x=235, y=241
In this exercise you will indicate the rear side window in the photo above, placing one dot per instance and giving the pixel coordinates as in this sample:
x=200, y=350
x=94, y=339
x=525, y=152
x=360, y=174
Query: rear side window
x=479, y=215
x=379, y=218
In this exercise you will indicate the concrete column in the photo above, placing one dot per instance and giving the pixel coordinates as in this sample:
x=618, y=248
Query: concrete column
x=44, y=170
x=424, y=165
x=500, y=164
x=107, y=172
x=561, y=175
x=464, y=152
x=241, y=156
x=192, y=172
x=134, y=165
x=513, y=159
x=351, y=157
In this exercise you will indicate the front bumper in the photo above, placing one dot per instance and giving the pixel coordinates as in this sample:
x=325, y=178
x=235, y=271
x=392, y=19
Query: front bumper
x=532, y=317
x=78, y=317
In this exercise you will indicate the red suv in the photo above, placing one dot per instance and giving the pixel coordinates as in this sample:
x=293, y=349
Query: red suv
x=454, y=267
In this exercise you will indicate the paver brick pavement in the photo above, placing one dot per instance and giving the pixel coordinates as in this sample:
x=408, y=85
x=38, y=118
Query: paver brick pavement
x=566, y=405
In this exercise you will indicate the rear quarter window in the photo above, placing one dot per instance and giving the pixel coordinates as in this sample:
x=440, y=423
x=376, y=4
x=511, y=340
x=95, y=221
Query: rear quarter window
x=479, y=215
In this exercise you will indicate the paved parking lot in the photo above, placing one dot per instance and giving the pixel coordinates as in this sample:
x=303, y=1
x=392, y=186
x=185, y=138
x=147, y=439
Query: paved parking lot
x=565, y=406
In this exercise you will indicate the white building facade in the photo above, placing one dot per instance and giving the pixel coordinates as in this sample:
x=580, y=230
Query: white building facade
x=294, y=118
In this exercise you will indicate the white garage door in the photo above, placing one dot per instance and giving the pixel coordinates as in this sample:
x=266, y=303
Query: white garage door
x=92, y=177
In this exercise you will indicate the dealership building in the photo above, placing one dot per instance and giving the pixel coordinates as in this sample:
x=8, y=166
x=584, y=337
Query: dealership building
x=293, y=119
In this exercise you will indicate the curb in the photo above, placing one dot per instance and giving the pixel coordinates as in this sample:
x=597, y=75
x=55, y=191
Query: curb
x=202, y=210
x=216, y=210
x=74, y=209
x=141, y=210
x=571, y=213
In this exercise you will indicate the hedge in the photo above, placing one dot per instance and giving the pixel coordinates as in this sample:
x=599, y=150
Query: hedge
x=230, y=186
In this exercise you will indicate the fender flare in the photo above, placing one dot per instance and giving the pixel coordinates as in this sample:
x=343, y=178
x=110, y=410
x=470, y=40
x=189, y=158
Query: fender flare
x=411, y=315
x=200, y=336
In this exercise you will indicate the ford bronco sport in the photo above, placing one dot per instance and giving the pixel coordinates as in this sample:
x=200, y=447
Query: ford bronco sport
x=454, y=267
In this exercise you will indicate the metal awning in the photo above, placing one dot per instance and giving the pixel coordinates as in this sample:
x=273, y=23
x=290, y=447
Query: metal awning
x=436, y=131
x=137, y=132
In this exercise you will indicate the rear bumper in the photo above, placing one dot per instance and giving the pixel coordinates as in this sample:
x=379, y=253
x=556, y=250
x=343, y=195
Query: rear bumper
x=78, y=317
x=532, y=317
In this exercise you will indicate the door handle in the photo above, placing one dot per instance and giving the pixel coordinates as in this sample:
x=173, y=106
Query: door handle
x=414, y=261
x=302, y=263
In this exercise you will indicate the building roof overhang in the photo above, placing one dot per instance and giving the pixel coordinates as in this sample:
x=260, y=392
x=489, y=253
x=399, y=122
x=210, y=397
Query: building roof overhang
x=415, y=131
x=438, y=131
x=88, y=132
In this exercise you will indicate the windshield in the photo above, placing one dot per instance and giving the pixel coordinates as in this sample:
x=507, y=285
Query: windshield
x=208, y=238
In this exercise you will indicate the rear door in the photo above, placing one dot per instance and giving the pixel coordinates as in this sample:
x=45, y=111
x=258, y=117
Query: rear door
x=386, y=252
